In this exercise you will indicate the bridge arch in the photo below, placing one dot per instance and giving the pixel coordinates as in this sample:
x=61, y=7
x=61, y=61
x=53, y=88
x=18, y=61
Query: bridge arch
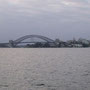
x=18, y=41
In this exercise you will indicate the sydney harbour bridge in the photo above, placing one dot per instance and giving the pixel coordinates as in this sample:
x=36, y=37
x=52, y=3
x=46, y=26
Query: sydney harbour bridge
x=32, y=40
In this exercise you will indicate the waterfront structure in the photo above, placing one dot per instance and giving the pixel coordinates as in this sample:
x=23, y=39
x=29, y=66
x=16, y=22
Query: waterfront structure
x=45, y=41
x=42, y=41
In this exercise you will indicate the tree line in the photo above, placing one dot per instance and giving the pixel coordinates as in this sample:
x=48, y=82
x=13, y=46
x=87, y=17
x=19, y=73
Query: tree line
x=57, y=43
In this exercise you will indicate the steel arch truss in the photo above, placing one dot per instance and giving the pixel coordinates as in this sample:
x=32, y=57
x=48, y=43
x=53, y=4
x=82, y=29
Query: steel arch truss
x=31, y=36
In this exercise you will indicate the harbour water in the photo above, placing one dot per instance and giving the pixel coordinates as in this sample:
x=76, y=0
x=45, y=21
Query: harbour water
x=45, y=69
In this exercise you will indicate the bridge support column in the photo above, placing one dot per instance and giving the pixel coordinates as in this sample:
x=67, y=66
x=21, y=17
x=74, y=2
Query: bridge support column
x=11, y=43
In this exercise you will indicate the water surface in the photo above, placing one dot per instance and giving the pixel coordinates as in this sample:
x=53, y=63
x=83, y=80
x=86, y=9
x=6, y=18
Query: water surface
x=45, y=69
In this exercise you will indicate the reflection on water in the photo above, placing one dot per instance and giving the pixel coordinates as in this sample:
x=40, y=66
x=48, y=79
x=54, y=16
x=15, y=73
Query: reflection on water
x=44, y=69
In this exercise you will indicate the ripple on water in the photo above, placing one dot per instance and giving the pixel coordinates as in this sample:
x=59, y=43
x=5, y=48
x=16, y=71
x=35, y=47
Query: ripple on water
x=4, y=86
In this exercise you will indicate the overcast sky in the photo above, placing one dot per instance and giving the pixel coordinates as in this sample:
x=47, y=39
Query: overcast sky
x=62, y=19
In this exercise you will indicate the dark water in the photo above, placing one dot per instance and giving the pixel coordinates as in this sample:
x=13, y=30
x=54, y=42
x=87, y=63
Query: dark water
x=45, y=69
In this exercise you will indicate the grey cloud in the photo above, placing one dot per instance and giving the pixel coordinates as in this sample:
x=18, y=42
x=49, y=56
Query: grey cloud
x=53, y=18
